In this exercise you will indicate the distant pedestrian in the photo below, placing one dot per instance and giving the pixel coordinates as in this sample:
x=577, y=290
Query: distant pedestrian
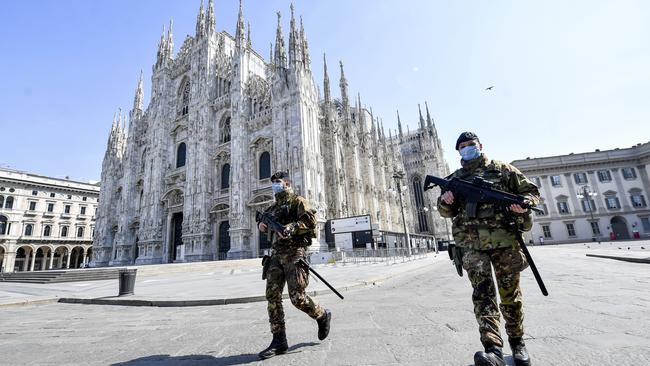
x=489, y=241
x=541, y=240
x=288, y=248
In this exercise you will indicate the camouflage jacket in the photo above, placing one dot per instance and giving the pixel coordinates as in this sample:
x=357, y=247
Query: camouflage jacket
x=289, y=208
x=489, y=229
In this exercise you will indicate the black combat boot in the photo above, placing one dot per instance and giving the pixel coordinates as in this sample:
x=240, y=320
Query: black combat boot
x=278, y=346
x=519, y=352
x=324, y=324
x=491, y=357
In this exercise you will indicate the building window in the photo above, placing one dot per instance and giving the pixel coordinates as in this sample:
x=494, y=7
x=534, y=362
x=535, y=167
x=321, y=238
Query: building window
x=3, y=225
x=570, y=229
x=34, y=193
x=555, y=180
x=588, y=205
x=595, y=229
x=69, y=196
x=29, y=228
x=225, y=130
x=225, y=176
x=604, y=176
x=645, y=221
x=32, y=206
x=80, y=232
x=629, y=173
x=185, y=98
x=538, y=182
x=50, y=207
x=66, y=209
x=64, y=231
x=265, y=165
x=638, y=200
x=82, y=210
x=2, y=201
x=52, y=195
x=580, y=178
x=180, y=155
x=84, y=198
x=546, y=229
x=9, y=203
x=612, y=203
x=47, y=230
x=543, y=207
x=563, y=207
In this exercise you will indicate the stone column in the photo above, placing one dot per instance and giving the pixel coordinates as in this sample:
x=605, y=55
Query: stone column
x=67, y=259
x=9, y=261
x=4, y=262
x=51, y=258
x=31, y=265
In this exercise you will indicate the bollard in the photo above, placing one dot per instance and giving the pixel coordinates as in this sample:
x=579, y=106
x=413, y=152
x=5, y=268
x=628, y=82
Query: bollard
x=127, y=281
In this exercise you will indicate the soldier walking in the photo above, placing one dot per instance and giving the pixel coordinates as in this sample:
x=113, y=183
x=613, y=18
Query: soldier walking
x=489, y=241
x=288, y=247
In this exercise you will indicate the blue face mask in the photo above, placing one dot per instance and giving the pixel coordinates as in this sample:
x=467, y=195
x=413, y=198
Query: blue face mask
x=470, y=152
x=277, y=187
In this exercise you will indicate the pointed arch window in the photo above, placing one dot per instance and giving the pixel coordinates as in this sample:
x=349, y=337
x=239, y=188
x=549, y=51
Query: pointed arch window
x=225, y=176
x=29, y=229
x=225, y=130
x=180, y=155
x=265, y=165
x=185, y=98
x=64, y=231
x=47, y=230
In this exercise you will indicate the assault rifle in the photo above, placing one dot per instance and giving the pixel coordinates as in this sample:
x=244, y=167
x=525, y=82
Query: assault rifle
x=286, y=231
x=271, y=222
x=482, y=191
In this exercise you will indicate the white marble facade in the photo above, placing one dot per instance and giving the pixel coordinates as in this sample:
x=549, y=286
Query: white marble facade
x=183, y=181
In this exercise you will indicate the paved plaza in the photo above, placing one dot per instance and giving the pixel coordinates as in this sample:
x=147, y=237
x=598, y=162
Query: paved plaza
x=420, y=314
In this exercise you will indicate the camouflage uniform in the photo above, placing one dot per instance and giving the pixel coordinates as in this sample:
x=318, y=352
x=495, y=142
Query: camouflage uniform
x=488, y=241
x=290, y=208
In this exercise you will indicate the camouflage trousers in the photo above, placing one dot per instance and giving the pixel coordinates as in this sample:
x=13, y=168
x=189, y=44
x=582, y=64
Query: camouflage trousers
x=507, y=264
x=283, y=269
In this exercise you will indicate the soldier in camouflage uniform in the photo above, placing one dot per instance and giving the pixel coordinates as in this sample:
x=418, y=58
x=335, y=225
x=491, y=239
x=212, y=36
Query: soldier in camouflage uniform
x=299, y=221
x=489, y=241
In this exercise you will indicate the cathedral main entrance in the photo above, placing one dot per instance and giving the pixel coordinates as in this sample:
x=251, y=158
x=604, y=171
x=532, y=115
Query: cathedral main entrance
x=176, y=235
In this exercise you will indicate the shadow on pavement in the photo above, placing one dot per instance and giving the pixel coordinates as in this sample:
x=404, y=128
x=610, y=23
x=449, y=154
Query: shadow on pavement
x=203, y=360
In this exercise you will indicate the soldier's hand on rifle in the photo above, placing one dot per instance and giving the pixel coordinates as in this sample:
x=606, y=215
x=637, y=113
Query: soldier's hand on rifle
x=447, y=197
x=517, y=209
x=262, y=227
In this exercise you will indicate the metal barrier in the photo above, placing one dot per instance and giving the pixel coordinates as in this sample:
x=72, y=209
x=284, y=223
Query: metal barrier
x=388, y=255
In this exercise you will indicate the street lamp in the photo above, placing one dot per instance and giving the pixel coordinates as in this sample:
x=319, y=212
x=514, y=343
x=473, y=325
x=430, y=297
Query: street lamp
x=586, y=194
x=398, y=176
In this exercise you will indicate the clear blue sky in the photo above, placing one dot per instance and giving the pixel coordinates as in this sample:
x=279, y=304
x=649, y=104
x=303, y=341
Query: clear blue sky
x=568, y=76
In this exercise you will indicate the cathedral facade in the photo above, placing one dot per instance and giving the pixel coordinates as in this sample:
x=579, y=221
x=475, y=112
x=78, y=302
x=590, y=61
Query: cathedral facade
x=183, y=181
